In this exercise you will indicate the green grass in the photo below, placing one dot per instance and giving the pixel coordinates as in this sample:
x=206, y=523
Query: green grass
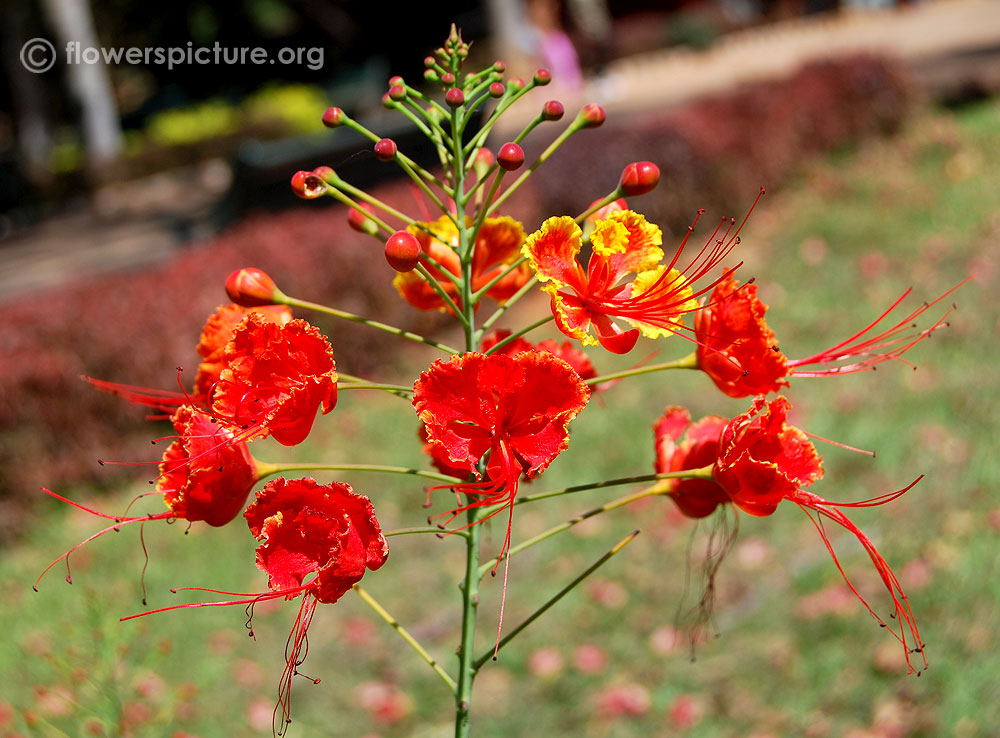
x=829, y=252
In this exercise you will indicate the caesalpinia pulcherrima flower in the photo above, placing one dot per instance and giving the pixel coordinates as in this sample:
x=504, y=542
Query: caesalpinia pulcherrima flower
x=515, y=408
x=586, y=302
x=757, y=461
x=215, y=334
x=317, y=541
x=566, y=351
x=740, y=353
x=497, y=247
x=274, y=379
x=206, y=475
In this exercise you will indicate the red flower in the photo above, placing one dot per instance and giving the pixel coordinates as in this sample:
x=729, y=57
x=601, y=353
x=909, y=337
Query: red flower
x=759, y=461
x=697, y=498
x=497, y=248
x=215, y=335
x=586, y=301
x=738, y=350
x=274, y=379
x=206, y=474
x=316, y=541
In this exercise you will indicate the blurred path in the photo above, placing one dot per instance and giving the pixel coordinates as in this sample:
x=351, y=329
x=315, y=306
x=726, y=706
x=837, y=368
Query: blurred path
x=134, y=223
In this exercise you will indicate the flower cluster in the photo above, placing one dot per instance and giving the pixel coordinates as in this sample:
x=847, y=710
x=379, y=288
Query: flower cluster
x=495, y=411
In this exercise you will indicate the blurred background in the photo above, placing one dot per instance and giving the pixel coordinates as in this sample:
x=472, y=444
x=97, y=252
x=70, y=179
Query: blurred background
x=129, y=189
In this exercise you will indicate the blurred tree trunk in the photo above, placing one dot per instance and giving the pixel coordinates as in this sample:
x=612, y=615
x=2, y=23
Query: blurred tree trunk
x=90, y=84
x=31, y=121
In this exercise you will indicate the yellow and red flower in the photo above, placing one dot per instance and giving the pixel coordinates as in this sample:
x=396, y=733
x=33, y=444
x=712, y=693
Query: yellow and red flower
x=274, y=379
x=760, y=460
x=586, y=302
x=498, y=246
x=740, y=353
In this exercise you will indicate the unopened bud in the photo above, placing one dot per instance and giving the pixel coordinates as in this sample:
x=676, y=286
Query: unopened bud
x=516, y=84
x=497, y=89
x=447, y=78
x=395, y=80
x=592, y=115
x=326, y=174
x=454, y=97
x=385, y=150
x=553, y=110
x=638, y=178
x=308, y=185
x=510, y=157
x=499, y=67
x=397, y=93
x=333, y=117
x=251, y=287
x=431, y=76
x=402, y=251
x=429, y=62
x=360, y=222
x=543, y=77
x=387, y=102
x=483, y=161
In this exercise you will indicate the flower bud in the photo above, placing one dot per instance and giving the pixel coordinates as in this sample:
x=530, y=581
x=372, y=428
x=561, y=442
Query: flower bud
x=395, y=80
x=454, y=97
x=516, y=84
x=360, y=222
x=308, y=185
x=333, y=117
x=499, y=67
x=543, y=77
x=326, y=174
x=397, y=93
x=553, y=110
x=592, y=115
x=387, y=102
x=402, y=251
x=429, y=62
x=497, y=89
x=447, y=78
x=482, y=163
x=510, y=157
x=385, y=150
x=638, y=178
x=251, y=287
x=431, y=76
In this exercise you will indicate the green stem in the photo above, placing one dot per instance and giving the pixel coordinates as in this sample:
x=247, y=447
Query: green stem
x=436, y=286
x=566, y=525
x=610, y=197
x=265, y=469
x=555, y=598
x=478, y=294
x=470, y=605
x=687, y=362
x=413, y=531
x=405, y=635
x=704, y=472
x=295, y=302
x=394, y=388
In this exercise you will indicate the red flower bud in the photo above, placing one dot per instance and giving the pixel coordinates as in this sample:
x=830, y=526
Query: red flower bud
x=484, y=157
x=429, y=62
x=385, y=150
x=402, y=251
x=333, y=117
x=516, y=84
x=454, y=97
x=360, y=222
x=553, y=110
x=543, y=77
x=499, y=66
x=497, y=89
x=396, y=80
x=397, y=93
x=431, y=76
x=447, y=78
x=592, y=115
x=387, y=102
x=510, y=157
x=638, y=178
x=250, y=287
x=325, y=173
x=308, y=185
